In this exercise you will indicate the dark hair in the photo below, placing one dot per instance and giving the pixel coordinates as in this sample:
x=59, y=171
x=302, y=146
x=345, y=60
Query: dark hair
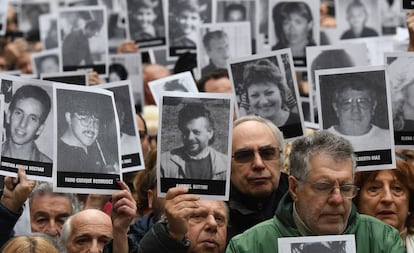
x=81, y=103
x=404, y=173
x=212, y=75
x=35, y=92
x=175, y=85
x=234, y=7
x=354, y=81
x=212, y=35
x=282, y=11
x=119, y=70
x=192, y=111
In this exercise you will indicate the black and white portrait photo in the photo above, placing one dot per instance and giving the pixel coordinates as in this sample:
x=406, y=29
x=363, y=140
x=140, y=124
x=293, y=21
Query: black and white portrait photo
x=230, y=11
x=195, y=143
x=220, y=42
x=28, y=126
x=294, y=24
x=3, y=16
x=332, y=56
x=184, y=19
x=146, y=22
x=402, y=96
x=78, y=77
x=46, y=61
x=128, y=67
x=181, y=82
x=87, y=146
x=48, y=31
x=407, y=5
x=28, y=16
x=355, y=104
x=317, y=244
x=392, y=16
x=358, y=19
x=83, y=38
x=265, y=85
x=131, y=151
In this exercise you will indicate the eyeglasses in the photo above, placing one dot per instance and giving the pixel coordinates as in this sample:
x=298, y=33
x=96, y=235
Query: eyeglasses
x=375, y=190
x=85, y=120
x=363, y=103
x=247, y=155
x=347, y=190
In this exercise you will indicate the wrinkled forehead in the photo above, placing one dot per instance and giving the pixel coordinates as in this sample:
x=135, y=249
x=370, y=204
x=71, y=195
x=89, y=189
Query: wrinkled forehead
x=213, y=206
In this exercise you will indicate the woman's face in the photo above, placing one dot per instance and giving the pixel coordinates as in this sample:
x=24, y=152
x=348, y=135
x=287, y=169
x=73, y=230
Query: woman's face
x=356, y=18
x=265, y=99
x=296, y=28
x=189, y=21
x=385, y=198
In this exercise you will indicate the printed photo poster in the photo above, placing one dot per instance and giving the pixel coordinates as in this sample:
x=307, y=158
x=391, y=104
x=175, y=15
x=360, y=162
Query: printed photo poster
x=332, y=56
x=184, y=19
x=266, y=85
x=355, y=103
x=230, y=11
x=285, y=31
x=28, y=123
x=117, y=23
x=160, y=56
x=87, y=146
x=146, y=22
x=181, y=82
x=392, y=16
x=407, y=5
x=83, y=38
x=128, y=67
x=46, y=61
x=28, y=16
x=3, y=16
x=48, y=31
x=399, y=67
x=77, y=77
x=320, y=244
x=220, y=42
x=262, y=33
x=194, y=143
x=358, y=19
x=131, y=151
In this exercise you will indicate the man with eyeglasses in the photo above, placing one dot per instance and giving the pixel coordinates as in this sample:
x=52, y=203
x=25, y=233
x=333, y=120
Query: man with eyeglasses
x=257, y=184
x=322, y=168
x=196, y=158
x=28, y=110
x=354, y=103
x=78, y=147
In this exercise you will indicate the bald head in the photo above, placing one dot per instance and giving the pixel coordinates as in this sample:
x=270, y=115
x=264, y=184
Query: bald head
x=153, y=72
x=86, y=231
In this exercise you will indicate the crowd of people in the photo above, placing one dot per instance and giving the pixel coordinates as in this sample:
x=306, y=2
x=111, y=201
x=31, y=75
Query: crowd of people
x=308, y=187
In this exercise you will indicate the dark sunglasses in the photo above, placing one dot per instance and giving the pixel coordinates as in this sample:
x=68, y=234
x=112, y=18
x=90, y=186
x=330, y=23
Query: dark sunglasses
x=247, y=155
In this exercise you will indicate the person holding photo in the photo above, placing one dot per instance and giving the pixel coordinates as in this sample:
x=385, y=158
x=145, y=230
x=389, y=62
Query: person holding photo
x=25, y=121
x=196, y=159
x=357, y=15
x=293, y=25
x=267, y=94
x=187, y=20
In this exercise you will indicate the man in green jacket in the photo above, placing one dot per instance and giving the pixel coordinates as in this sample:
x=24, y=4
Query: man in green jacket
x=319, y=202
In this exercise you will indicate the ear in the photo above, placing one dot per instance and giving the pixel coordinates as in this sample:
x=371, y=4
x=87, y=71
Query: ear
x=8, y=115
x=335, y=107
x=40, y=130
x=68, y=117
x=293, y=187
x=210, y=134
x=374, y=106
x=150, y=195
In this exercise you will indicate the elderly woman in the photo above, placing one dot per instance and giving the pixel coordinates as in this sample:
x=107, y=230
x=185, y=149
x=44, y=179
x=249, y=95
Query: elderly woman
x=388, y=195
x=34, y=243
x=268, y=95
x=293, y=24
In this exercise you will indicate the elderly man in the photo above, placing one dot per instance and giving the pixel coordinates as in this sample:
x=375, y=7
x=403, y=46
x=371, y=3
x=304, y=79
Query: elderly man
x=257, y=185
x=86, y=231
x=321, y=188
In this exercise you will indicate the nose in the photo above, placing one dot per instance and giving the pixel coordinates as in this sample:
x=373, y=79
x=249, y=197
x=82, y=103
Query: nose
x=211, y=223
x=95, y=248
x=52, y=229
x=258, y=163
x=336, y=197
x=386, y=195
x=24, y=121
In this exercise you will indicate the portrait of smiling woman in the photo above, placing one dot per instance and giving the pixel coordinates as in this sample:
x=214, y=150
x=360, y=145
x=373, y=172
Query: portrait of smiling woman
x=267, y=94
x=293, y=27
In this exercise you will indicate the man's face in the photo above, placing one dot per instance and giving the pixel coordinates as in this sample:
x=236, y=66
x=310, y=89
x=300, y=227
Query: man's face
x=258, y=177
x=84, y=127
x=207, y=228
x=24, y=121
x=91, y=230
x=48, y=212
x=354, y=110
x=49, y=65
x=145, y=17
x=218, y=51
x=323, y=214
x=221, y=85
x=235, y=15
x=189, y=21
x=196, y=135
